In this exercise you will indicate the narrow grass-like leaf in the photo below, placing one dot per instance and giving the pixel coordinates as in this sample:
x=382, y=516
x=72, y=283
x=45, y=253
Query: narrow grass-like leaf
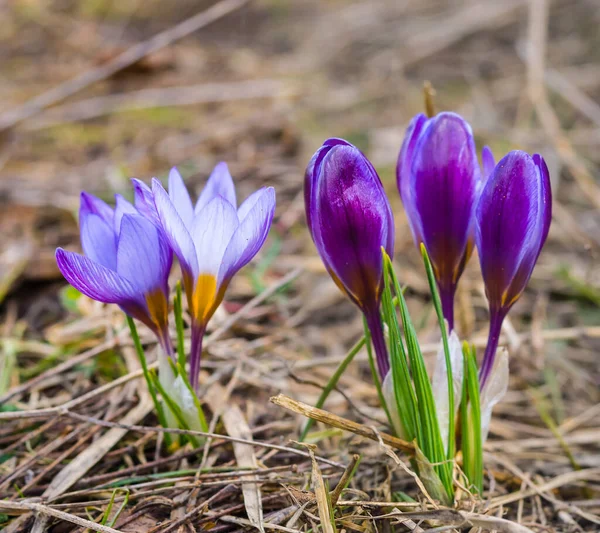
x=405, y=397
x=429, y=440
x=331, y=384
x=437, y=303
x=472, y=448
x=120, y=509
x=142, y=357
x=178, y=310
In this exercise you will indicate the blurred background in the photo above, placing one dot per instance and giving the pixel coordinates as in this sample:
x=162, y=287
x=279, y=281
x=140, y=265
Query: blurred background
x=94, y=92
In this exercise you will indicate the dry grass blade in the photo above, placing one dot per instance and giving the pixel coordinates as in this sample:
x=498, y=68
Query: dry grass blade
x=236, y=426
x=21, y=507
x=321, y=494
x=330, y=419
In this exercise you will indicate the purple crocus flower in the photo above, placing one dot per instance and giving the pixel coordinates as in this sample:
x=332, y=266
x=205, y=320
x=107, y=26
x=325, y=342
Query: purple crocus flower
x=512, y=222
x=212, y=240
x=126, y=262
x=350, y=220
x=438, y=177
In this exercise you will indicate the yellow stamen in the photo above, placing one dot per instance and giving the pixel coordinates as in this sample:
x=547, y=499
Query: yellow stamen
x=158, y=308
x=204, y=297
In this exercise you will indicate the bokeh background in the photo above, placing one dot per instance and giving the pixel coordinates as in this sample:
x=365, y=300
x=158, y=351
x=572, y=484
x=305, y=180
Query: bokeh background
x=89, y=97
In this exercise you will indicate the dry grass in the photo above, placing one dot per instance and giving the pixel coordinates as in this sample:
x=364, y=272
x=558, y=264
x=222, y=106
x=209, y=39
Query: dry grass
x=261, y=88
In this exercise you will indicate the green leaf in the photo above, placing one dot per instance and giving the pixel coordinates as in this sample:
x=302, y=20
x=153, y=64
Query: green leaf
x=438, y=310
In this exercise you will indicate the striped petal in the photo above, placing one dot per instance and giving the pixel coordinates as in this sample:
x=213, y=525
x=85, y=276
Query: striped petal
x=98, y=240
x=220, y=183
x=180, y=197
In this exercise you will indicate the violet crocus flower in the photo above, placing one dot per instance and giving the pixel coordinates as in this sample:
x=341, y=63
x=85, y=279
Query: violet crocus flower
x=212, y=239
x=438, y=177
x=512, y=223
x=126, y=262
x=350, y=221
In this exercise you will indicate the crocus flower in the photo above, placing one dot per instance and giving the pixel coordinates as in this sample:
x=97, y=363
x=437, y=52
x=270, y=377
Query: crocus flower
x=126, y=262
x=512, y=223
x=212, y=239
x=350, y=220
x=438, y=177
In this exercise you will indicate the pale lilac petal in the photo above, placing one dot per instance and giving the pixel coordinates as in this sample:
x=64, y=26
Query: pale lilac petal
x=220, y=183
x=142, y=255
x=181, y=197
x=256, y=216
x=439, y=384
x=90, y=205
x=177, y=234
x=94, y=280
x=143, y=200
x=98, y=240
x=122, y=207
x=212, y=231
x=487, y=158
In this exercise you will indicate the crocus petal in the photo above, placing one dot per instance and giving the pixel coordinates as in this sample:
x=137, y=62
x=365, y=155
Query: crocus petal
x=255, y=215
x=98, y=240
x=513, y=218
x=122, y=207
x=403, y=167
x=493, y=391
x=142, y=255
x=387, y=389
x=439, y=384
x=177, y=234
x=220, y=183
x=144, y=201
x=444, y=179
x=488, y=161
x=311, y=177
x=212, y=231
x=351, y=221
x=180, y=197
x=94, y=280
x=90, y=205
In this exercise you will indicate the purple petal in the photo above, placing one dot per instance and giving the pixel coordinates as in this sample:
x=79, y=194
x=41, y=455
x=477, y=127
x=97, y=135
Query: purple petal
x=143, y=257
x=444, y=182
x=212, y=231
x=180, y=197
x=488, y=161
x=90, y=205
x=405, y=156
x=255, y=215
x=94, y=280
x=220, y=183
x=311, y=176
x=144, y=201
x=513, y=218
x=352, y=220
x=98, y=240
x=177, y=234
x=123, y=207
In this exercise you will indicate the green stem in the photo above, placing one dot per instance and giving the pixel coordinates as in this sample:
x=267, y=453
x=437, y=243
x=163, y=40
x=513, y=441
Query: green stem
x=142, y=356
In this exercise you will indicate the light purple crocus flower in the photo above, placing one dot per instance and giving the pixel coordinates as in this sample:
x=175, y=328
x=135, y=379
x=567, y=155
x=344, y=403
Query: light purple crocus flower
x=126, y=262
x=350, y=220
x=212, y=239
x=512, y=223
x=439, y=179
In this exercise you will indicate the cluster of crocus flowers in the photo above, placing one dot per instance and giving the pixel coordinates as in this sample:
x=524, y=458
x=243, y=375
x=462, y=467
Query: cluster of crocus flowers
x=128, y=251
x=350, y=221
x=452, y=206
